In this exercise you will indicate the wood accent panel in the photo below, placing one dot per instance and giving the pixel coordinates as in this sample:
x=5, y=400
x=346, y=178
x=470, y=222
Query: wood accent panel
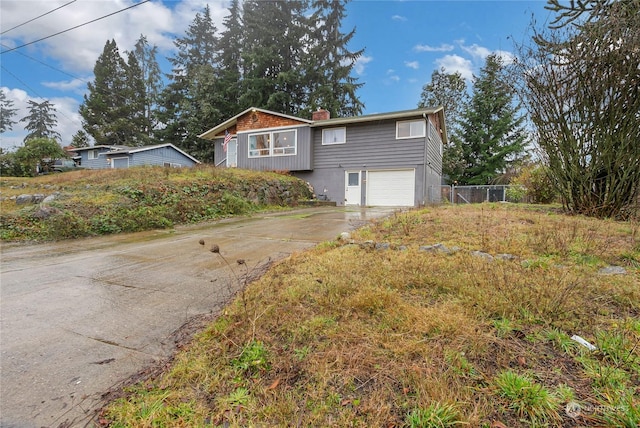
x=260, y=120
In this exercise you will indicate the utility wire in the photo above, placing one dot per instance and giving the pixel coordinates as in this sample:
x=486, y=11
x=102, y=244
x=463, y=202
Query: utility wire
x=77, y=26
x=37, y=17
x=37, y=94
x=22, y=81
x=46, y=65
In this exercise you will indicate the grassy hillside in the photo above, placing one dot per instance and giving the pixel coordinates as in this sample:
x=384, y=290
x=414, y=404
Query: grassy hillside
x=126, y=200
x=386, y=330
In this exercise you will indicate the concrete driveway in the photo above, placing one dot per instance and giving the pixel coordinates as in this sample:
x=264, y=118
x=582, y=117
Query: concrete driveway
x=79, y=317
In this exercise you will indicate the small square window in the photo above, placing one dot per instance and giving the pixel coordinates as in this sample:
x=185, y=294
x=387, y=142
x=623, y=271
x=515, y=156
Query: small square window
x=410, y=129
x=259, y=145
x=354, y=179
x=93, y=154
x=334, y=136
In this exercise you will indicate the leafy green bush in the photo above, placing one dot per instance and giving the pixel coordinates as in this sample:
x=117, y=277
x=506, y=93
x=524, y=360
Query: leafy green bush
x=98, y=202
x=537, y=185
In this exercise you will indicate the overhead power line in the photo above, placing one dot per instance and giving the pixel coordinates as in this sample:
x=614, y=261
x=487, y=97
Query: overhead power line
x=77, y=26
x=46, y=65
x=21, y=81
x=37, y=94
x=37, y=17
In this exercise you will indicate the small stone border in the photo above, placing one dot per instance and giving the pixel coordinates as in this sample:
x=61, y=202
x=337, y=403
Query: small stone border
x=443, y=249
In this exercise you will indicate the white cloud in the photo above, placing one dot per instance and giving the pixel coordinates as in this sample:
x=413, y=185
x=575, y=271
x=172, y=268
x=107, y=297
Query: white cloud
x=78, y=85
x=361, y=63
x=476, y=51
x=391, y=77
x=456, y=63
x=79, y=49
x=444, y=47
x=508, y=58
x=412, y=64
x=67, y=115
x=399, y=18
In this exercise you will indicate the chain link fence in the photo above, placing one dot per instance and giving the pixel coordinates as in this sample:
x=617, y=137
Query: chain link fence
x=478, y=194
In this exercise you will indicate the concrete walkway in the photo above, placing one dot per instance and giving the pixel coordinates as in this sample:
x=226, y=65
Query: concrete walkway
x=78, y=317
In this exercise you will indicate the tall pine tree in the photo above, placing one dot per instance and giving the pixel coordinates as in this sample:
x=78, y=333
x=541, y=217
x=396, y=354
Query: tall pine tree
x=41, y=121
x=491, y=129
x=230, y=62
x=152, y=78
x=189, y=104
x=329, y=63
x=448, y=90
x=136, y=102
x=274, y=43
x=113, y=110
x=6, y=113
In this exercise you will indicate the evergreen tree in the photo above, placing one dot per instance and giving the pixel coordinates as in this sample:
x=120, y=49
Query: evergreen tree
x=189, y=103
x=274, y=43
x=152, y=78
x=491, y=130
x=41, y=121
x=449, y=91
x=102, y=110
x=329, y=63
x=230, y=62
x=6, y=113
x=80, y=139
x=136, y=103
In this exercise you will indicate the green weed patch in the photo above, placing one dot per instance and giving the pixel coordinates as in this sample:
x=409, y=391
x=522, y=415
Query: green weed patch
x=113, y=201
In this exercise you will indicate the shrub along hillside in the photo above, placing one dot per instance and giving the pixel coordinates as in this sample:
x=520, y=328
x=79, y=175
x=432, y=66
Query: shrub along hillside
x=391, y=330
x=127, y=200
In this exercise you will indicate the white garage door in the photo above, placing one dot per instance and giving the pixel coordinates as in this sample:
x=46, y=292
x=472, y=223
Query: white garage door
x=391, y=188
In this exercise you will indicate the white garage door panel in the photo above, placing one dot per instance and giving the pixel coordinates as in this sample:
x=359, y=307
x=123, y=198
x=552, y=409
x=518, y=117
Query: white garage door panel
x=391, y=188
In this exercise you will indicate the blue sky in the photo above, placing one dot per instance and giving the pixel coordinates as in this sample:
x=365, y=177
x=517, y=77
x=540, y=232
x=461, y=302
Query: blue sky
x=404, y=42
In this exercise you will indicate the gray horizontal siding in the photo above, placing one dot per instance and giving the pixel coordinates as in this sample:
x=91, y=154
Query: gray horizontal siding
x=434, y=148
x=99, y=163
x=301, y=161
x=371, y=144
x=158, y=156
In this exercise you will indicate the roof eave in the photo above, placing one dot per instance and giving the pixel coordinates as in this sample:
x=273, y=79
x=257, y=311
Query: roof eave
x=375, y=117
x=212, y=133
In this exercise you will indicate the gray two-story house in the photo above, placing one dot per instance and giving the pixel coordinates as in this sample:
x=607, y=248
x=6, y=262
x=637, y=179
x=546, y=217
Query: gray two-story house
x=389, y=159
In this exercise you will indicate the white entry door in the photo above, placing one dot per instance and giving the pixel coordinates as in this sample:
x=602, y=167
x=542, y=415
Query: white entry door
x=353, y=189
x=232, y=153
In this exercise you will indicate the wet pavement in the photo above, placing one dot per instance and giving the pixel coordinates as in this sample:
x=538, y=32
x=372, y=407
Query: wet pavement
x=79, y=317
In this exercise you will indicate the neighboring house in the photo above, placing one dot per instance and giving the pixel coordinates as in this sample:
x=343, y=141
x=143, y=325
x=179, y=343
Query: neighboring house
x=103, y=157
x=389, y=159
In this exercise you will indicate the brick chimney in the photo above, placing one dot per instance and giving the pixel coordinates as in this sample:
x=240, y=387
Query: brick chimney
x=320, y=114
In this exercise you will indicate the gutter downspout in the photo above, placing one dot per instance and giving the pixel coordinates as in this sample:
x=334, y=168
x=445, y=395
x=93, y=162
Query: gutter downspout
x=426, y=149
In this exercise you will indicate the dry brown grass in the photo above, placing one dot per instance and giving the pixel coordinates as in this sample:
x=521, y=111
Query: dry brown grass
x=347, y=335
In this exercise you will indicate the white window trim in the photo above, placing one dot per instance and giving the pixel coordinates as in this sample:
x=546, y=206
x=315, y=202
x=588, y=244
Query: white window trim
x=337, y=142
x=271, y=141
x=424, y=129
x=93, y=152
